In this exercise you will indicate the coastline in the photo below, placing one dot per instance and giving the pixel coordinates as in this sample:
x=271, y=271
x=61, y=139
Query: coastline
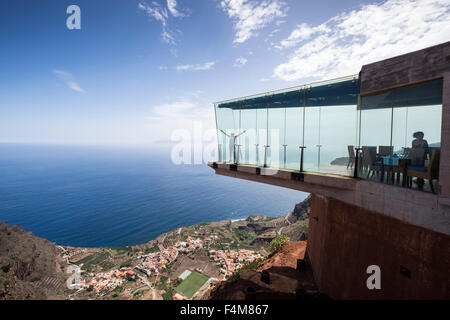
x=164, y=233
x=210, y=251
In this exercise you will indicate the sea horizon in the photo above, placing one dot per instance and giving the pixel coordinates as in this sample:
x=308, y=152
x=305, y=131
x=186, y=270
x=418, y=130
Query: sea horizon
x=107, y=196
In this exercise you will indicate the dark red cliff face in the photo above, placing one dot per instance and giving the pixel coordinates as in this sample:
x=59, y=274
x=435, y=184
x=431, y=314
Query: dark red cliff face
x=343, y=240
x=285, y=282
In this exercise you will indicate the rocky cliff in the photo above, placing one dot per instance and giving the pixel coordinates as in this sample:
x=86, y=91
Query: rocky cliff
x=29, y=267
x=276, y=278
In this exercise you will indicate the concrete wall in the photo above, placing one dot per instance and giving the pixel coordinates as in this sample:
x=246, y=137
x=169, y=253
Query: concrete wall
x=413, y=67
x=407, y=205
x=444, y=169
x=343, y=240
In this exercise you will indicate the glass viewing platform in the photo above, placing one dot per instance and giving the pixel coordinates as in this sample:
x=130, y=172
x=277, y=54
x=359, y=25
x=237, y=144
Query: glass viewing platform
x=327, y=127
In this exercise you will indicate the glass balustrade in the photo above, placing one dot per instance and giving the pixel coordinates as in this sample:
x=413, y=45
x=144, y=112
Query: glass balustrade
x=333, y=126
x=294, y=136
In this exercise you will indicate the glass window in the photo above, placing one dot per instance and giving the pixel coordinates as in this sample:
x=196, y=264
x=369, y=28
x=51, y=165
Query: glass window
x=338, y=132
x=277, y=137
x=427, y=119
x=261, y=136
x=294, y=137
x=376, y=127
x=248, y=139
x=312, y=155
x=225, y=126
x=401, y=133
x=237, y=135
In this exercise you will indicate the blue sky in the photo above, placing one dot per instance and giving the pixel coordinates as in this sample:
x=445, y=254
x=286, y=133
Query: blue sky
x=138, y=70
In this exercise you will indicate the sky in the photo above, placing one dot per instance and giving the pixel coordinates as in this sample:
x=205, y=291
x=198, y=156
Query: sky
x=139, y=71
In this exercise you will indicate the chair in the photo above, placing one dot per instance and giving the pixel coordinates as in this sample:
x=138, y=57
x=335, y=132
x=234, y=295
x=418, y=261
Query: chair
x=351, y=156
x=429, y=173
x=369, y=160
x=417, y=156
x=385, y=151
x=406, y=152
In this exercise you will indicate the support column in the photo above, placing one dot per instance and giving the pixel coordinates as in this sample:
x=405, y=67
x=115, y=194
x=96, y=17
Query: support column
x=444, y=170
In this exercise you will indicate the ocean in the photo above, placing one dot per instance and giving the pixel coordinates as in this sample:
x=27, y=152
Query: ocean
x=104, y=196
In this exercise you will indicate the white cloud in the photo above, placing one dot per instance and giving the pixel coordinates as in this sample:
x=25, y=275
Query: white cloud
x=181, y=110
x=172, y=110
x=188, y=120
x=180, y=114
x=197, y=93
x=195, y=67
x=69, y=80
x=250, y=16
x=172, y=6
x=303, y=32
x=240, y=62
x=344, y=43
x=161, y=14
x=167, y=37
x=155, y=11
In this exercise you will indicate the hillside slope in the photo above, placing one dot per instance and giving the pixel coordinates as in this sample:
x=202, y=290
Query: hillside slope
x=285, y=281
x=29, y=267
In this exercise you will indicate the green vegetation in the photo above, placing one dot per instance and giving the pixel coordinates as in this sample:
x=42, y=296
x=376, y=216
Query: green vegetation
x=238, y=239
x=106, y=265
x=127, y=263
x=304, y=231
x=260, y=219
x=242, y=235
x=251, y=265
x=168, y=294
x=153, y=249
x=204, y=224
x=248, y=266
x=118, y=289
x=121, y=250
x=162, y=286
x=169, y=266
x=162, y=283
x=278, y=243
x=96, y=259
x=191, y=284
x=140, y=293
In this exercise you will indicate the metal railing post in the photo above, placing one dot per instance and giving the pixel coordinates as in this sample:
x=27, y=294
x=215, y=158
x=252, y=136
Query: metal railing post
x=355, y=173
x=220, y=153
x=301, y=157
x=265, y=155
x=284, y=146
x=319, y=146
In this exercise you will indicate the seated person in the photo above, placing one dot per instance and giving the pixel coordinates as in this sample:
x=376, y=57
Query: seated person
x=419, y=143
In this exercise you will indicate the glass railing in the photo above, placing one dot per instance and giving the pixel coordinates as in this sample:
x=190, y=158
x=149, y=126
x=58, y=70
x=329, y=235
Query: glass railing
x=326, y=127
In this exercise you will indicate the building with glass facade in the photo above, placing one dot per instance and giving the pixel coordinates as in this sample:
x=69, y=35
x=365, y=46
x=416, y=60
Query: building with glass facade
x=324, y=127
x=373, y=150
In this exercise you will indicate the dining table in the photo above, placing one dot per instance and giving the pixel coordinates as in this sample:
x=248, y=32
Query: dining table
x=394, y=165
